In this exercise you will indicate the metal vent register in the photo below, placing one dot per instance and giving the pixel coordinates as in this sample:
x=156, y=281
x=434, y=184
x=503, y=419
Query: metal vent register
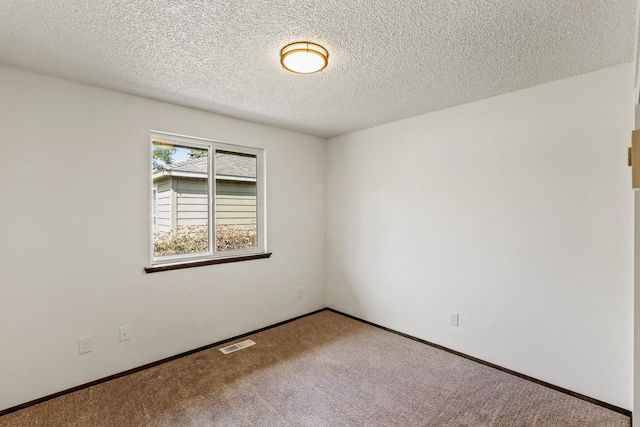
x=237, y=346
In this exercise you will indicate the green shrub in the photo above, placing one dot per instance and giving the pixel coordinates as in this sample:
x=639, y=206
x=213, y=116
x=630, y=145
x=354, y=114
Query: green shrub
x=194, y=238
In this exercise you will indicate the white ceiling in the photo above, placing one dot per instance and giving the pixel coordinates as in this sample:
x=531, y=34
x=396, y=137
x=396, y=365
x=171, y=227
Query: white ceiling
x=388, y=59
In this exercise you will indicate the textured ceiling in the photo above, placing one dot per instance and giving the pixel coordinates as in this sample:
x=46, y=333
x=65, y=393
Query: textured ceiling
x=388, y=59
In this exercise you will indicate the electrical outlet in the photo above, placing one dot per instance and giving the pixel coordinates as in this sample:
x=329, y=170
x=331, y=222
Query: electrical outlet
x=84, y=344
x=300, y=292
x=124, y=333
x=454, y=318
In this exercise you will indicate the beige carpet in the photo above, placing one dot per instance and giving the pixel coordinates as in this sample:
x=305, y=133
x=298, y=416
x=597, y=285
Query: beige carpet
x=321, y=370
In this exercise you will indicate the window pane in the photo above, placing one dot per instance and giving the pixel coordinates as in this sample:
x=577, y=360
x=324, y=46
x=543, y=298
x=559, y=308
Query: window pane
x=236, y=201
x=181, y=179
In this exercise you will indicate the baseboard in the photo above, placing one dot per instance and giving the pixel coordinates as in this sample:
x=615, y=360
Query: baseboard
x=147, y=366
x=580, y=396
x=498, y=367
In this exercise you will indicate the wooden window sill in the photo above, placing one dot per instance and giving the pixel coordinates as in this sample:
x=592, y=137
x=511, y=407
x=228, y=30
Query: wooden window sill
x=191, y=264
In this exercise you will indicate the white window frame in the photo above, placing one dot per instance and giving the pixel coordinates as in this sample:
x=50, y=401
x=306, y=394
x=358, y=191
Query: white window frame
x=212, y=146
x=154, y=207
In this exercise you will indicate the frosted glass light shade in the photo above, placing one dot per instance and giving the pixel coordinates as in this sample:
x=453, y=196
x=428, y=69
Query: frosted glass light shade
x=304, y=57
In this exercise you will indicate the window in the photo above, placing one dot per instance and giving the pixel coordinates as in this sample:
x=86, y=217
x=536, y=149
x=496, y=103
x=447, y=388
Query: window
x=207, y=201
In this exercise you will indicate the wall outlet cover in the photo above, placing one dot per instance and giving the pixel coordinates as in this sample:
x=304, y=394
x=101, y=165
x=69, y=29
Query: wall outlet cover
x=454, y=318
x=84, y=344
x=124, y=333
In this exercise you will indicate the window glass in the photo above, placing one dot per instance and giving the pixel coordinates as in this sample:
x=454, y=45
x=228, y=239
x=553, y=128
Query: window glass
x=196, y=216
x=236, y=200
x=181, y=176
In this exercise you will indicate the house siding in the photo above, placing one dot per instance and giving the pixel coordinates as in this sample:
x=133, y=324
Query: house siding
x=236, y=202
x=163, y=204
x=192, y=207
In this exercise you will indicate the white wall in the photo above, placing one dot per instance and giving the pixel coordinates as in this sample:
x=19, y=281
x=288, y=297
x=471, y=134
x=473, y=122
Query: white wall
x=636, y=352
x=516, y=212
x=636, y=357
x=71, y=262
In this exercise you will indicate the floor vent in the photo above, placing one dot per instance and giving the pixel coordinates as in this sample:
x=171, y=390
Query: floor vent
x=237, y=346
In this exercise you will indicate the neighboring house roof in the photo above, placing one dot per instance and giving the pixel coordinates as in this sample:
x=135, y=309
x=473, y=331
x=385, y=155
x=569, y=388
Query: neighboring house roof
x=229, y=166
x=234, y=165
x=191, y=165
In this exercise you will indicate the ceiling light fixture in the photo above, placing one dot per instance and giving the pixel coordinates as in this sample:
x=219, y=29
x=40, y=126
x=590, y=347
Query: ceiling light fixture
x=304, y=57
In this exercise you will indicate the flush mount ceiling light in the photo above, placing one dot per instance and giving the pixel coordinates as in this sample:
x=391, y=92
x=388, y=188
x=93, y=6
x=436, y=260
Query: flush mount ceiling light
x=304, y=57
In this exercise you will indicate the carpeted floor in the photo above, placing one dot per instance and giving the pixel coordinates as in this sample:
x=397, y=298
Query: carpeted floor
x=321, y=370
